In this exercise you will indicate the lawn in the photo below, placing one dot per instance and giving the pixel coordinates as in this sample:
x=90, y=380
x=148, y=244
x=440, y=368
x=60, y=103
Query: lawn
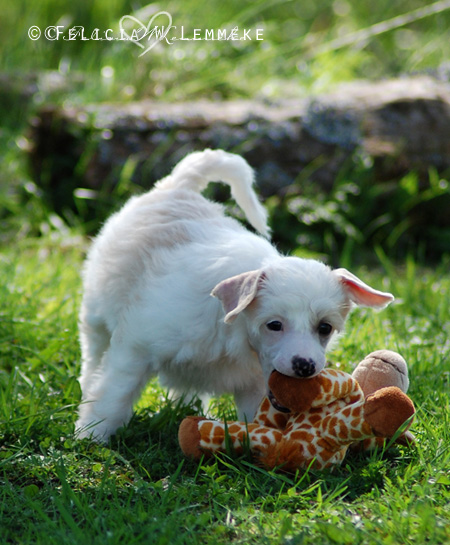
x=139, y=488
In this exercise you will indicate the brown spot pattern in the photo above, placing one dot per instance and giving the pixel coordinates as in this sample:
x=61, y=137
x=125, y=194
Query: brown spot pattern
x=292, y=441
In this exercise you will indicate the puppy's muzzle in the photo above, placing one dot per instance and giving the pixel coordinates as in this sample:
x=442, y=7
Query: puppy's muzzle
x=303, y=367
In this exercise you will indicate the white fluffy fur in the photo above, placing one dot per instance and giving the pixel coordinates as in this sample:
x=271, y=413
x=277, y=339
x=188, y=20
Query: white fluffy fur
x=147, y=307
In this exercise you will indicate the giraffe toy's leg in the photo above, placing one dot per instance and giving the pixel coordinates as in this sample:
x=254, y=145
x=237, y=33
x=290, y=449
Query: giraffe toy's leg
x=343, y=427
x=379, y=416
x=198, y=436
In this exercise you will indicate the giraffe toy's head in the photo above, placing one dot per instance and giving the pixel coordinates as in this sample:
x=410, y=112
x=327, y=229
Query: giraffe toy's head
x=312, y=422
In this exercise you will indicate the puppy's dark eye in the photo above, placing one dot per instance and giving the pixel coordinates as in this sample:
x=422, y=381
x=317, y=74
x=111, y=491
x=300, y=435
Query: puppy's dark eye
x=324, y=329
x=274, y=325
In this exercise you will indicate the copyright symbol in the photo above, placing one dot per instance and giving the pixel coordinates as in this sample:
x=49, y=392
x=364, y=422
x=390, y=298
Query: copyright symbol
x=34, y=32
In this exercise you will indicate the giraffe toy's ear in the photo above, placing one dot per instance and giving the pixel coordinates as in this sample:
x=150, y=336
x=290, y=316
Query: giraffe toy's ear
x=294, y=394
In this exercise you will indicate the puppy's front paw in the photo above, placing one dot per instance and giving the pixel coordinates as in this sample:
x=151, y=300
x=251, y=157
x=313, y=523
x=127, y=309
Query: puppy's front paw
x=95, y=432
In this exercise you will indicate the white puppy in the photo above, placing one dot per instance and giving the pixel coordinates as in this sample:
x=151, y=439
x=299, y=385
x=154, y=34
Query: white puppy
x=174, y=287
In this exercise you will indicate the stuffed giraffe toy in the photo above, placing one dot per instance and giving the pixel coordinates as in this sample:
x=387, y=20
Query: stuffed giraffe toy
x=311, y=422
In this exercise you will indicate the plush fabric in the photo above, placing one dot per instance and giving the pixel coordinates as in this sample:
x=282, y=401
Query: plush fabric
x=312, y=422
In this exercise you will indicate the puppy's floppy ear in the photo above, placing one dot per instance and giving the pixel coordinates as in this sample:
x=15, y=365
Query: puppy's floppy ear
x=237, y=292
x=360, y=293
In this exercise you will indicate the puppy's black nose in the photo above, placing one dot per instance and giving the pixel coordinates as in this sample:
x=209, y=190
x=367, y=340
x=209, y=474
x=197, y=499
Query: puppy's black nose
x=303, y=367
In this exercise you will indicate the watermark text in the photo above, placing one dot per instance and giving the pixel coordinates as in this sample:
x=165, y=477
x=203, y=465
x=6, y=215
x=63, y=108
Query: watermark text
x=145, y=35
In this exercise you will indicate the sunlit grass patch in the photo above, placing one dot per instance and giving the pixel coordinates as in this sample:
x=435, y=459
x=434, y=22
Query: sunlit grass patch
x=57, y=488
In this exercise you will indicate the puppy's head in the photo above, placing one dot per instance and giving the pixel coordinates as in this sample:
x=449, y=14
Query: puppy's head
x=292, y=309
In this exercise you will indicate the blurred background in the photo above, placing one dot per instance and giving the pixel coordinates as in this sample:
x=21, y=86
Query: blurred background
x=309, y=48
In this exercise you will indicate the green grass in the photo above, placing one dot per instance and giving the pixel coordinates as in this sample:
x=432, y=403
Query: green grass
x=140, y=489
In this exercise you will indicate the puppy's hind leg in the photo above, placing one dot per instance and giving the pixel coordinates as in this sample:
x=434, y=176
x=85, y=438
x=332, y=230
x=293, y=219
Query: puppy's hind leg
x=108, y=398
x=188, y=397
x=94, y=341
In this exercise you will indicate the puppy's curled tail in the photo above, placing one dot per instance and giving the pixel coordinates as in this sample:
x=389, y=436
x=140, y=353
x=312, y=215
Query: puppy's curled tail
x=197, y=169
